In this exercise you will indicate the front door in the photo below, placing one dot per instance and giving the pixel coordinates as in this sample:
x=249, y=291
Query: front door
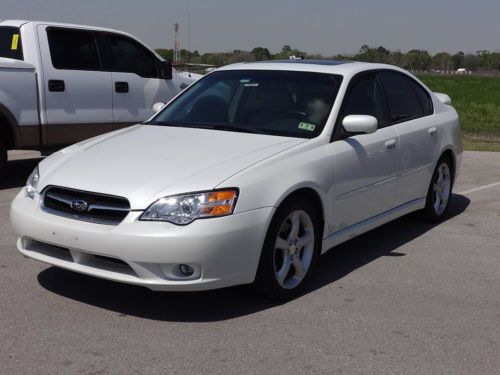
x=365, y=165
x=135, y=80
x=77, y=93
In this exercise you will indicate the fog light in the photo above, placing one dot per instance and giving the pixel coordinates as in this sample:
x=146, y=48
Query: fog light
x=186, y=270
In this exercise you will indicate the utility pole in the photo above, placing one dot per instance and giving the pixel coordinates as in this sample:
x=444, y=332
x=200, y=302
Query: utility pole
x=177, y=51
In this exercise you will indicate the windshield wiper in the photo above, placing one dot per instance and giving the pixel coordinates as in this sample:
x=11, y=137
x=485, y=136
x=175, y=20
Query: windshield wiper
x=164, y=123
x=235, y=128
x=224, y=127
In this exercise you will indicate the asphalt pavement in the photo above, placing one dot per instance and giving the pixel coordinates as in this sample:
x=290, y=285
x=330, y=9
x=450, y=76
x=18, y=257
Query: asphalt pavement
x=407, y=298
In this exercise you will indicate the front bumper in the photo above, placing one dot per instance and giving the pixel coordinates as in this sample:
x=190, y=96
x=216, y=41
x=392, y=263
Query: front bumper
x=224, y=251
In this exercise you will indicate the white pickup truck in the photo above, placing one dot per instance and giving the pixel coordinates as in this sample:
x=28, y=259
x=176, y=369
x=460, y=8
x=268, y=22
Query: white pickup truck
x=62, y=83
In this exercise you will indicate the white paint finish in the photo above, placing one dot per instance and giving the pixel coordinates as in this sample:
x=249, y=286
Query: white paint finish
x=162, y=161
x=236, y=240
x=365, y=176
x=356, y=180
x=371, y=223
x=87, y=95
x=443, y=98
x=137, y=104
x=418, y=151
x=360, y=124
x=18, y=90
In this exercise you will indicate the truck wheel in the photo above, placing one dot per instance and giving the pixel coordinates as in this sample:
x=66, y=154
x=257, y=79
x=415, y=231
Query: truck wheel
x=3, y=157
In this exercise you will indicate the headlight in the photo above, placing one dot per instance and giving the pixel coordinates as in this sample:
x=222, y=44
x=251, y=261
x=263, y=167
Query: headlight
x=183, y=209
x=32, y=183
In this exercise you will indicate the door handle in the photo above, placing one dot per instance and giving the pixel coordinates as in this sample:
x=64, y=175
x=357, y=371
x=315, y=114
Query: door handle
x=390, y=144
x=121, y=86
x=56, y=85
x=432, y=131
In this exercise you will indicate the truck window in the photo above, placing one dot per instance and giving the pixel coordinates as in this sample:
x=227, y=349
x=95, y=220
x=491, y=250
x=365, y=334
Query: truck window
x=73, y=49
x=10, y=43
x=129, y=56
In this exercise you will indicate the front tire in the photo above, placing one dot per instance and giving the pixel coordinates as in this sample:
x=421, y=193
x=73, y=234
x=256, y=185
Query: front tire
x=439, y=193
x=290, y=250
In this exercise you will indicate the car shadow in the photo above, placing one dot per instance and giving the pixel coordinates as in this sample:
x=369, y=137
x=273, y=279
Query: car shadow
x=238, y=301
x=17, y=172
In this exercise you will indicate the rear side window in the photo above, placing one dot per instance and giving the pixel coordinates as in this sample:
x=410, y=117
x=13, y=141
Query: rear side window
x=73, y=49
x=407, y=99
x=129, y=56
x=10, y=43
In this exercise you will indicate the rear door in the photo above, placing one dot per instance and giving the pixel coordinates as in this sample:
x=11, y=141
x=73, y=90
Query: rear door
x=78, y=98
x=366, y=165
x=411, y=114
x=136, y=84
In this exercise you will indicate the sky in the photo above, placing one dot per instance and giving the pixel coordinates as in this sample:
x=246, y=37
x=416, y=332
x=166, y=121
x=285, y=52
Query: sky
x=313, y=26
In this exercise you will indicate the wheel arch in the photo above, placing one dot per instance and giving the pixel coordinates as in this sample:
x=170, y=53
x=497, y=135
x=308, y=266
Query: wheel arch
x=448, y=151
x=313, y=195
x=8, y=124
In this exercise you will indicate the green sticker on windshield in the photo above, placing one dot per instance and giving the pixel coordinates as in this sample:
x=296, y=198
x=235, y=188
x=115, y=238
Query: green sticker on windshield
x=307, y=126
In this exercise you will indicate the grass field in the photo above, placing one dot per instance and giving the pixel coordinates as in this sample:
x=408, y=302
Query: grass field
x=477, y=100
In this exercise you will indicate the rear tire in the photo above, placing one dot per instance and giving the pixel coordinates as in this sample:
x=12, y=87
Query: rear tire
x=439, y=193
x=290, y=250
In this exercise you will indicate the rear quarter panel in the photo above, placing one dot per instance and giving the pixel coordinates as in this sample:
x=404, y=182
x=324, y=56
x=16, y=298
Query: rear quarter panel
x=449, y=132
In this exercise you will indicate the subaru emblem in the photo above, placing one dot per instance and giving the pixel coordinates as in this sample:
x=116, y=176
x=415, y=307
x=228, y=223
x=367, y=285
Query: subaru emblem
x=79, y=205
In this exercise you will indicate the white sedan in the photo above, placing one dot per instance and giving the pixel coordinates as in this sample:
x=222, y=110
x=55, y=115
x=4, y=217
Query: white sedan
x=246, y=177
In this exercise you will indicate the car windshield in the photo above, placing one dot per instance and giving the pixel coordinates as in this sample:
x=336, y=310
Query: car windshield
x=286, y=103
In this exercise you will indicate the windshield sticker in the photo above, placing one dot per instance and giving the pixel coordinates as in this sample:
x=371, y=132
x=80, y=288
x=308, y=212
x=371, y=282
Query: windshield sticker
x=15, y=42
x=251, y=85
x=307, y=126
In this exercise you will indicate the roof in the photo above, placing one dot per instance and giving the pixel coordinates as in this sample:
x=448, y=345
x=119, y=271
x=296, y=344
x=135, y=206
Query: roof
x=19, y=23
x=344, y=68
x=304, y=61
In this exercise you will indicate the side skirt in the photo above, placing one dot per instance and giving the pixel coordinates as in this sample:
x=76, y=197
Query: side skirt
x=371, y=223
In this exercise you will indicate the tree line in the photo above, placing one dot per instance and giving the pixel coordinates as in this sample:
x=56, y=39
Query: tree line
x=415, y=59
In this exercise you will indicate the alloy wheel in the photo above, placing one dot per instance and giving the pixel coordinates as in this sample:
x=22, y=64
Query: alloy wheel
x=441, y=189
x=294, y=249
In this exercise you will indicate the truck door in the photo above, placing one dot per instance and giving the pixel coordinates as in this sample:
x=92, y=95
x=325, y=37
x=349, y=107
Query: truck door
x=77, y=92
x=136, y=82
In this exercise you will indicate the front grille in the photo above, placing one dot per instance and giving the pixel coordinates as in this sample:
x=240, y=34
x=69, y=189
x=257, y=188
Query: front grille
x=85, y=206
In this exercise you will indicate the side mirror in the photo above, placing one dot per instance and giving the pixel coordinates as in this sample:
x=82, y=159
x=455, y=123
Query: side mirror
x=360, y=124
x=157, y=107
x=165, y=70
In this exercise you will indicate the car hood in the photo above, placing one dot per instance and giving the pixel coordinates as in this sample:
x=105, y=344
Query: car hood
x=144, y=163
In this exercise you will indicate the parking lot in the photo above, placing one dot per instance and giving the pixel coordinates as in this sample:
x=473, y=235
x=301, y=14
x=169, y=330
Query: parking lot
x=407, y=298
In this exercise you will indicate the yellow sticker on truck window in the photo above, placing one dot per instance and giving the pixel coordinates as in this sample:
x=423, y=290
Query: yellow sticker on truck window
x=15, y=42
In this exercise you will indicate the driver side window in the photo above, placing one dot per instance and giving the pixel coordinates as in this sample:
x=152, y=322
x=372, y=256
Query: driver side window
x=365, y=98
x=128, y=56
